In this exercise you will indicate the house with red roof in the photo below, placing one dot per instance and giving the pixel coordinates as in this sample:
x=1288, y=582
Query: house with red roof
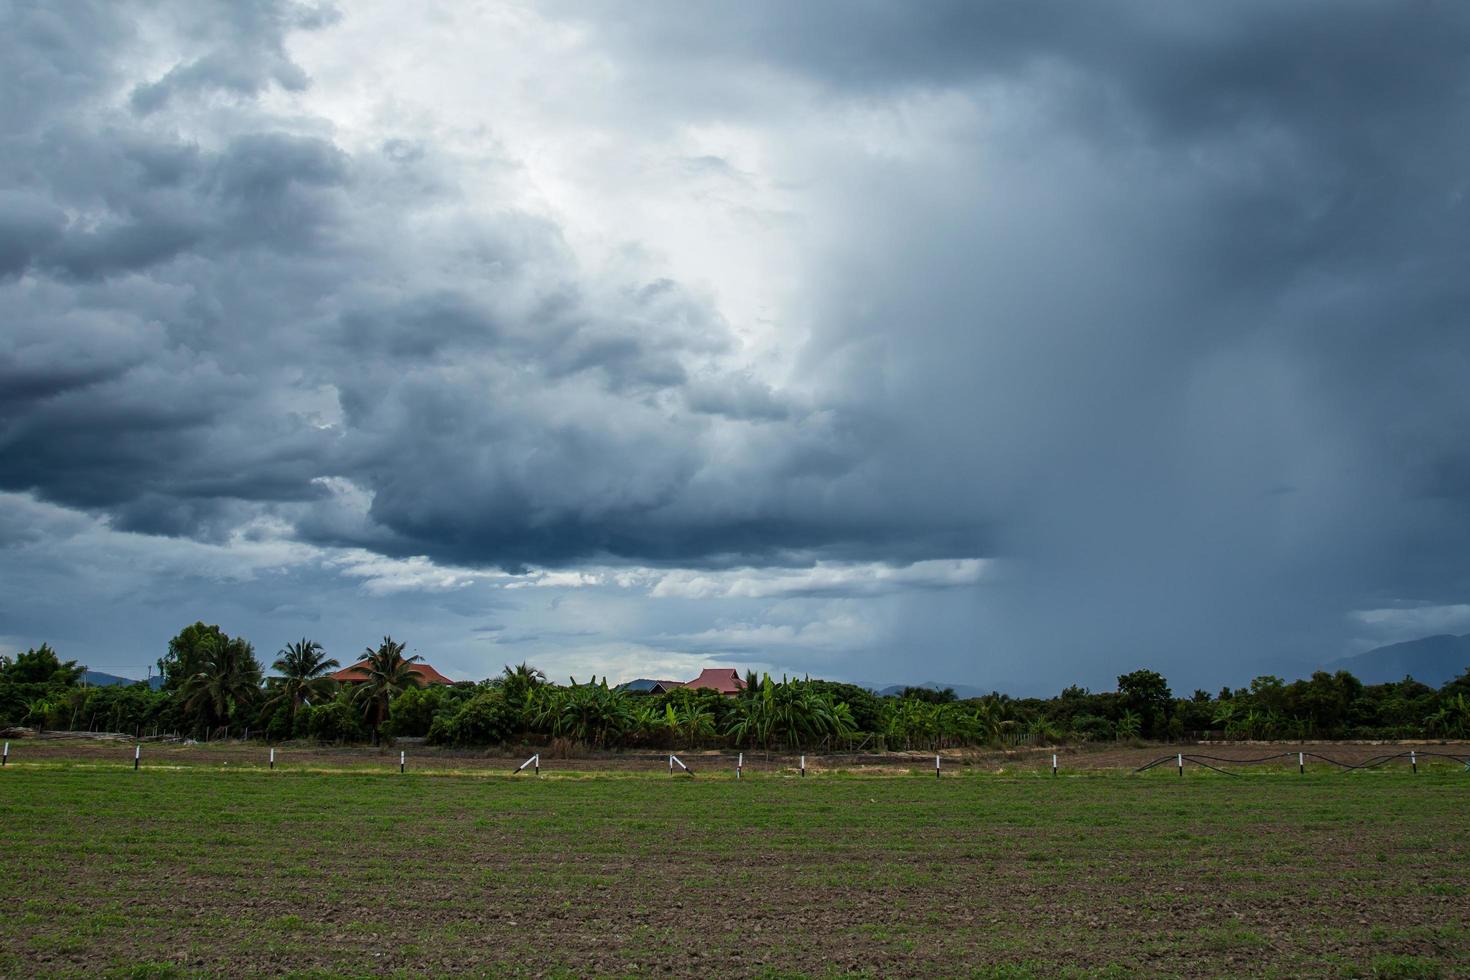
x=357, y=674
x=726, y=680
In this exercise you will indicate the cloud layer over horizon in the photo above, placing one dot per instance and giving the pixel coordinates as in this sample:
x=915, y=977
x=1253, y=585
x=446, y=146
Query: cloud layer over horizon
x=982, y=343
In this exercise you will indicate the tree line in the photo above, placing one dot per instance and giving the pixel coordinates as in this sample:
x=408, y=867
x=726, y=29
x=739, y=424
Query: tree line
x=214, y=686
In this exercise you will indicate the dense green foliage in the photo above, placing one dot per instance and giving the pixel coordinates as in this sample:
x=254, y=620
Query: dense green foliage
x=224, y=687
x=33, y=686
x=212, y=686
x=388, y=675
x=302, y=678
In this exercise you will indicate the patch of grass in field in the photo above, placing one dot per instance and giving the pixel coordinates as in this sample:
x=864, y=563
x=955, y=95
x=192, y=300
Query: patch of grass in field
x=173, y=872
x=1404, y=968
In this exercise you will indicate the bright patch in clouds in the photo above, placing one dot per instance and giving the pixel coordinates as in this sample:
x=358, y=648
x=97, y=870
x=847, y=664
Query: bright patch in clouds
x=823, y=578
x=1407, y=622
x=382, y=576
x=842, y=632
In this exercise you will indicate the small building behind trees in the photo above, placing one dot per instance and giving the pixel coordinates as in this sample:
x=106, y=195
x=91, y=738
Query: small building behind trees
x=358, y=673
x=726, y=680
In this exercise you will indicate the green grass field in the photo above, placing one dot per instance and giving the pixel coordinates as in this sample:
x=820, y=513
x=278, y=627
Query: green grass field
x=202, y=870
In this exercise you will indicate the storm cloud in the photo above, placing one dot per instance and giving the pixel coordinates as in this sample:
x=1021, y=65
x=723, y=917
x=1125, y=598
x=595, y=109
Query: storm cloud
x=993, y=343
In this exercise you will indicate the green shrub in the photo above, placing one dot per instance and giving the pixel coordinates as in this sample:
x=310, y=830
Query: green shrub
x=337, y=720
x=277, y=725
x=412, y=712
x=485, y=719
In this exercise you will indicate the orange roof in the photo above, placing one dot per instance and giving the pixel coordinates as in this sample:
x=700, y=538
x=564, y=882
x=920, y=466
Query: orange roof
x=357, y=673
x=726, y=680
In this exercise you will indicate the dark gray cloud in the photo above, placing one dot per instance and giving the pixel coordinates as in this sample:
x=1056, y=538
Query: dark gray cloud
x=275, y=329
x=243, y=52
x=1204, y=254
x=1163, y=305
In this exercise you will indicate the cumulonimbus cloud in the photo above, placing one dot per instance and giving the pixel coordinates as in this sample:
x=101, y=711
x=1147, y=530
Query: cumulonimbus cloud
x=1164, y=309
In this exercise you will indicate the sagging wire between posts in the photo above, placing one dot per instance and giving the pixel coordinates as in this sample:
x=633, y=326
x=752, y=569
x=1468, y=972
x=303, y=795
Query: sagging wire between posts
x=1181, y=758
x=1205, y=761
x=1412, y=754
x=1264, y=758
x=1215, y=768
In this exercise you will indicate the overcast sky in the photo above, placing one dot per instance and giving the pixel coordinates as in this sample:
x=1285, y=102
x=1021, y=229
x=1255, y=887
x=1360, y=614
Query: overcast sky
x=1011, y=345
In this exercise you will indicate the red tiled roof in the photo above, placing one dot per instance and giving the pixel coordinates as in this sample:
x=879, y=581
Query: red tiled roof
x=357, y=673
x=726, y=680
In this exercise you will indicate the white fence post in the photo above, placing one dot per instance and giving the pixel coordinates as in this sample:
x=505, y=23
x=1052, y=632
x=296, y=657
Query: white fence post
x=1301, y=764
x=1053, y=763
x=936, y=765
x=273, y=758
x=803, y=767
x=137, y=756
x=5, y=759
x=739, y=763
x=402, y=760
x=1414, y=761
x=1181, y=765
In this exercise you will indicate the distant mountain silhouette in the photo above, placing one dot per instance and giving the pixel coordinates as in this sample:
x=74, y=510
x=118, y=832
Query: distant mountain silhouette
x=961, y=691
x=1431, y=660
x=96, y=678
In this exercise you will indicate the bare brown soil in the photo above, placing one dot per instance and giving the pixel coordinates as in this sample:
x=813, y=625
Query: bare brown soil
x=1103, y=756
x=195, y=869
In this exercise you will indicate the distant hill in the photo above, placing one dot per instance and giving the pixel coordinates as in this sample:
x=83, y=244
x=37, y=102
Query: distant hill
x=96, y=678
x=1431, y=660
x=961, y=691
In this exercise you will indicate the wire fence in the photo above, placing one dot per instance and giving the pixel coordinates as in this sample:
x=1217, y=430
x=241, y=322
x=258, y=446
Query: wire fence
x=746, y=763
x=1208, y=761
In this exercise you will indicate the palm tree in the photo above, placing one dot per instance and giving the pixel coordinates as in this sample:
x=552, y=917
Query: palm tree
x=645, y=722
x=228, y=676
x=303, y=667
x=37, y=711
x=751, y=722
x=592, y=713
x=1452, y=719
x=518, y=680
x=791, y=712
x=1129, y=726
x=990, y=722
x=694, y=721
x=389, y=674
x=1044, y=731
x=752, y=686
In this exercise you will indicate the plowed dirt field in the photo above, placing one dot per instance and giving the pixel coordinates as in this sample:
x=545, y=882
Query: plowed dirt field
x=339, y=865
